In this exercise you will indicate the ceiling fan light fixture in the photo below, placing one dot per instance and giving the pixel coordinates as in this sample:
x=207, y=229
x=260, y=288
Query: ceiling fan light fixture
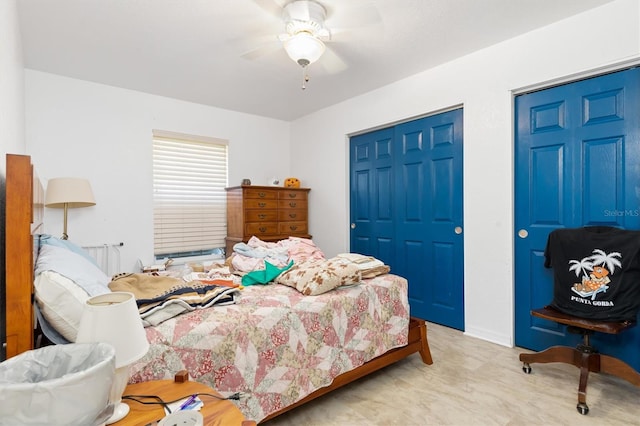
x=304, y=48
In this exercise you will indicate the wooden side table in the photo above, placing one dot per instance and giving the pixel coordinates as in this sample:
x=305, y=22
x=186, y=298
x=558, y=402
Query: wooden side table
x=214, y=411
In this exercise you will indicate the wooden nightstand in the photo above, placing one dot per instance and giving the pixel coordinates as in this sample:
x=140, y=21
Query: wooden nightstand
x=214, y=411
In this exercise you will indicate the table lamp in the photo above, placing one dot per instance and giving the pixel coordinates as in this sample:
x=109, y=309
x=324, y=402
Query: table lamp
x=68, y=193
x=114, y=318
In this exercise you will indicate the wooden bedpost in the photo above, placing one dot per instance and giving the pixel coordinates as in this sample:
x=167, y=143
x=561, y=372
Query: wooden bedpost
x=19, y=218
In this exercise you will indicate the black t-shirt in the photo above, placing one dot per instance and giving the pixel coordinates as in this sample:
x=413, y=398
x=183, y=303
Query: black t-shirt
x=596, y=272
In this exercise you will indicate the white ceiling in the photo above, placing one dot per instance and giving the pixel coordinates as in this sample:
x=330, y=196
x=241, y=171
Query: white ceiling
x=225, y=53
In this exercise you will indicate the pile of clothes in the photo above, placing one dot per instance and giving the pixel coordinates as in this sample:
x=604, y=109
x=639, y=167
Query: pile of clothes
x=297, y=262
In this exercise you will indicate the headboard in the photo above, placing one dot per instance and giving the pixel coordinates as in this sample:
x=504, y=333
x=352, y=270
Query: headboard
x=24, y=212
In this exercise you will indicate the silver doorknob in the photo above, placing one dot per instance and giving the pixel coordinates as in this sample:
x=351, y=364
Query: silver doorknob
x=458, y=230
x=353, y=226
x=523, y=233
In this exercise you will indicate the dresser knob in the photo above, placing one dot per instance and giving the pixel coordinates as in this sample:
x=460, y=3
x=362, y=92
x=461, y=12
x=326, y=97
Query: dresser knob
x=262, y=204
x=293, y=204
x=293, y=228
x=262, y=216
x=262, y=229
x=261, y=194
x=292, y=215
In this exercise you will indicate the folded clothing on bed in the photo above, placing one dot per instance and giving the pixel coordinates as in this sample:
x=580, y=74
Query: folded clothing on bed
x=369, y=266
x=320, y=276
x=160, y=298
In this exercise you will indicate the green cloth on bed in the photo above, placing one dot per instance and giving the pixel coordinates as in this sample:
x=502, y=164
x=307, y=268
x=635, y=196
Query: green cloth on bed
x=264, y=276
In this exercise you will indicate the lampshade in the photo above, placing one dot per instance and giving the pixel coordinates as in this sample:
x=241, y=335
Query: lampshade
x=68, y=193
x=304, y=48
x=113, y=318
x=74, y=192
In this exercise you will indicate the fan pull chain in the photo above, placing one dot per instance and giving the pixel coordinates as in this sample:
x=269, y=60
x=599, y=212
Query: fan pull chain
x=305, y=78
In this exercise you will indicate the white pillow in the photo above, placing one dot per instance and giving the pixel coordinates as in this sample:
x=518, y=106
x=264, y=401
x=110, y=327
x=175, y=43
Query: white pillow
x=61, y=302
x=73, y=266
x=64, y=281
x=58, y=242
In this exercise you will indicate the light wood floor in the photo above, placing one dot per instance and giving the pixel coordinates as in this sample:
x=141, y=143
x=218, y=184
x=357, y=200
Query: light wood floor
x=471, y=382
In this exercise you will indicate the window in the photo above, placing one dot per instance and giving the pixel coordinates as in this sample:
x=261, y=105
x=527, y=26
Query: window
x=189, y=198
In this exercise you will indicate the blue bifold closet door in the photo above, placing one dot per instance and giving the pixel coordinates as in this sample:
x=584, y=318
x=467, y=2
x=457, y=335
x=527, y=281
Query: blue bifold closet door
x=406, y=209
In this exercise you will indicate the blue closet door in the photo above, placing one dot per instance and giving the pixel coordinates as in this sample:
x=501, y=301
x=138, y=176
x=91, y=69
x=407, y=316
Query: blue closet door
x=406, y=209
x=577, y=163
x=371, y=195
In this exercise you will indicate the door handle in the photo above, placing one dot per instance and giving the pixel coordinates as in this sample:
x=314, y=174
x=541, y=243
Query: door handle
x=458, y=230
x=353, y=226
x=523, y=233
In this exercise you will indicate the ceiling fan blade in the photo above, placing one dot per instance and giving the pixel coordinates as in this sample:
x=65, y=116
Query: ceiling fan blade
x=268, y=37
x=299, y=10
x=331, y=62
x=264, y=50
x=272, y=7
x=357, y=19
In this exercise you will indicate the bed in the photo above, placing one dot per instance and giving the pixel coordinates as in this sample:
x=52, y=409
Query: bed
x=277, y=346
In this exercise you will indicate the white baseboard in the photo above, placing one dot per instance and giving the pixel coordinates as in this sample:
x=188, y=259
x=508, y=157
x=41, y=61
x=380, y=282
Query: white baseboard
x=490, y=336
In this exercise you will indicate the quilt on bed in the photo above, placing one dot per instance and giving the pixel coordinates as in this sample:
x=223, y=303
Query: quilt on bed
x=276, y=345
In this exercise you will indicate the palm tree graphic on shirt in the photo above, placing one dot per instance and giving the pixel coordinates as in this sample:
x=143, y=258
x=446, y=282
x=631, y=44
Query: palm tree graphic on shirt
x=594, y=271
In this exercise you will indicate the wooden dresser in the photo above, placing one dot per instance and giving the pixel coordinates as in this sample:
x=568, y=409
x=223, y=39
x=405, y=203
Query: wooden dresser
x=270, y=213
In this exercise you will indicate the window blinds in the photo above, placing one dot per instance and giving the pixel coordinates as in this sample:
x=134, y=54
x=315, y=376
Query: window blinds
x=189, y=198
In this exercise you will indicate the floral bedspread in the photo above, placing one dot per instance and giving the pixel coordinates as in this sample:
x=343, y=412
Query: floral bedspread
x=276, y=345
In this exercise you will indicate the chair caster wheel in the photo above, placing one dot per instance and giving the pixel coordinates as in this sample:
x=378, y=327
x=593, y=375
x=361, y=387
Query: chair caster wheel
x=526, y=368
x=582, y=408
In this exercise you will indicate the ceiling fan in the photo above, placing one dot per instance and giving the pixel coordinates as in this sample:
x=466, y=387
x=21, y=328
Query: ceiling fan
x=305, y=33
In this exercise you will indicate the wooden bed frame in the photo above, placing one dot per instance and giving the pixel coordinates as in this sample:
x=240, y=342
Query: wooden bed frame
x=24, y=213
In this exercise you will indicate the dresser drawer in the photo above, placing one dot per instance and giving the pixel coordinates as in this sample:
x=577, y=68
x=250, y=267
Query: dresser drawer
x=288, y=194
x=292, y=204
x=261, y=216
x=288, y=215
x=261, y=228
x=256, y=203
x=293, y=228
x=270, y=213
x=263, y=194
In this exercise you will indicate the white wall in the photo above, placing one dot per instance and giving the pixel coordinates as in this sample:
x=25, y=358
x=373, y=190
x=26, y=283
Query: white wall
x=483, y=83
x=82, y=129
x=12, y=139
